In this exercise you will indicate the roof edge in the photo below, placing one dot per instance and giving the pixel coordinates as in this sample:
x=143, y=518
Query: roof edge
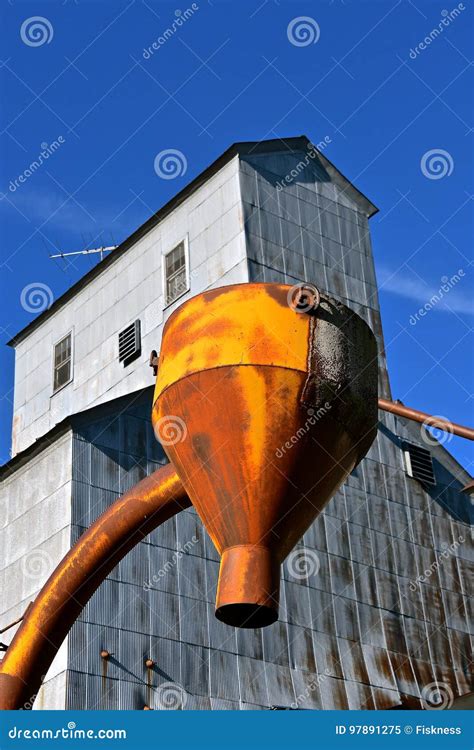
x=240, y=148
x=70, y=423
x=136, y=235
x=22, y=458
x=347, y=186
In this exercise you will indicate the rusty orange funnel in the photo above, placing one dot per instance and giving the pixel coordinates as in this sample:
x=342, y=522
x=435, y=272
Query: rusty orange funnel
x=266, y=399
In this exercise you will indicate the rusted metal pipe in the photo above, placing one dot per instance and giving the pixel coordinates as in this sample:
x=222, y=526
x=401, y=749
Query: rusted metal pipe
x=430, y=421
x=48, y=620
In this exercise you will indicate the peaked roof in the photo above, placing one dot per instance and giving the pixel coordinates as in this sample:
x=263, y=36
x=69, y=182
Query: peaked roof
x=76, y=421
x=242, y=148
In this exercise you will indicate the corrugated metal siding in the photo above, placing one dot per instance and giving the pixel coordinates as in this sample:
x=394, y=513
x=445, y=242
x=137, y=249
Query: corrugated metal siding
x=346, y=633
x=309, y=231
x=353, y=634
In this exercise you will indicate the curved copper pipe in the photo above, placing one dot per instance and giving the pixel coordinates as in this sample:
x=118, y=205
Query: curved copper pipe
x=430, y=421
x=49, y=619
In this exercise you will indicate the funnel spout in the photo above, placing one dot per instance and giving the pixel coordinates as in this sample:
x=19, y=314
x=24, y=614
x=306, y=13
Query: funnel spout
x=248, y=588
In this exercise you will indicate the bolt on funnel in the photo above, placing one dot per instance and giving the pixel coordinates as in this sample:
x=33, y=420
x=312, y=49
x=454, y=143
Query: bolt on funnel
x=264, y=405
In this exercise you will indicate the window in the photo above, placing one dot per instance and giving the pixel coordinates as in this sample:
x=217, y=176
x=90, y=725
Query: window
x=419, y=463
x=62, y=363
x=176, y=277
x=130, y=344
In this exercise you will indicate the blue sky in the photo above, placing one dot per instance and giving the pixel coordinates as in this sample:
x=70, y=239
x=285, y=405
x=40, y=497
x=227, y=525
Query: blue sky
x=398, y=117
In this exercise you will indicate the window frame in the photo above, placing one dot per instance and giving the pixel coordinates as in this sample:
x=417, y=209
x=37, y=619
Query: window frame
x=71, y=374
x=185, y=242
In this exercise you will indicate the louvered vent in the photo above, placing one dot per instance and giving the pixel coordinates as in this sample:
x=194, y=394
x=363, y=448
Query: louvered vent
x=130, y=345
x=419, y=463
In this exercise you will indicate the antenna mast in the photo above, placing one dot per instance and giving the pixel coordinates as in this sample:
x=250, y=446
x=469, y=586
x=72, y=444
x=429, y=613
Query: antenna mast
x=100, y=250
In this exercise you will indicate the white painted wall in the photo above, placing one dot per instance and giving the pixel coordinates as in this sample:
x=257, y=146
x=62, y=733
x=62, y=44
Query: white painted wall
x=35, y=534
x=128, y=289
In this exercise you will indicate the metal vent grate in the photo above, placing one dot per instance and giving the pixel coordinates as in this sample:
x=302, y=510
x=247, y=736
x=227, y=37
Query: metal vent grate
x=419, y=463
x=130, y=345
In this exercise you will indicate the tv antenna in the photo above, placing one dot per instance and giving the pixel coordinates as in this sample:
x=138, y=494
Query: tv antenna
x=100, y=250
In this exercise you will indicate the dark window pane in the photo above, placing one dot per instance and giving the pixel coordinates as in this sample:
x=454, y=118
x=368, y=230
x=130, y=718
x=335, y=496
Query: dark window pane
x=175, y=266
x=62, y=362
x=62, y=375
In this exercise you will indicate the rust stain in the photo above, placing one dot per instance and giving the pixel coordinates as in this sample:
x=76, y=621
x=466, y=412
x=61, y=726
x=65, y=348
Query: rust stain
x=105, y=656
x=149, y=676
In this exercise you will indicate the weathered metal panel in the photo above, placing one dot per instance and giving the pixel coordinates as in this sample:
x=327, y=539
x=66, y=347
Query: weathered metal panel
x=105, y=468
x=224, y=675
x=99, y=501
x=190, y=533
x=217, y=704
x=341, y=578
x=280, y=686
x=297, y=599
x=371, y=625
x=352, y=661
x=165, y=535
x=307, y=691
x=359, y=697
x=79, y=645
x=253, y=684
x=250, y=642
x=160, y=614
x=197, y=703
x=52, y=694
x=347, y=623
x=220, y=636
x=333, y=694
x=321, y=612
x=131, y=655
x=379, y=667
x=161, y=572
x=300, y=647
x=194, y=669
x=194, y=628
x=276, y=643
x=76, y=689
x=166, y=672
x=135, y=567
